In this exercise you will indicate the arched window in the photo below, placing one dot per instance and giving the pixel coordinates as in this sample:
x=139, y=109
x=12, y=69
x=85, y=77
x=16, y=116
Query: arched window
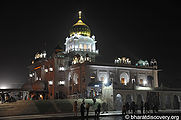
x=85, y=47
x=75, y=78
x=124, y=78
x=89, y=47
x=80, y=46
x=142, y=80
x=105, y=79
x=150, y=80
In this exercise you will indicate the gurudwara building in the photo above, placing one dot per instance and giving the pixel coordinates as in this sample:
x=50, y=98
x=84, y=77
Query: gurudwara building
x=74, y=73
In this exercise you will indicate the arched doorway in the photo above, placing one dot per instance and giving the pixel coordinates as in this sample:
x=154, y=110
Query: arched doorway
x=139, y=100
x=176, y=102
x=118, y=102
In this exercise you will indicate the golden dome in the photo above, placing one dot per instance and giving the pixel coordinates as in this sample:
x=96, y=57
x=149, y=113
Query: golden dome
x=80, y=28
x=79, y=22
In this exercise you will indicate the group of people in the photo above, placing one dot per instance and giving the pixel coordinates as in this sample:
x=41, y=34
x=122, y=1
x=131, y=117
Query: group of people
x=5, y=97
x=133, y=108
x=2, y=98
x=86, y=107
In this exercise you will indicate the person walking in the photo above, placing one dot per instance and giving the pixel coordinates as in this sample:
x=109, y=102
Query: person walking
x=124, y=109
x=104, y=107
x=94, y=107
x=2, y=98
x=87, y=109
x=141, y=107
x=127, y=107
x=82, y=110
x=75, y=108
x=133, y=107
x=136, y=108
x=156, y=107
x=147, y=108
x=98, y=110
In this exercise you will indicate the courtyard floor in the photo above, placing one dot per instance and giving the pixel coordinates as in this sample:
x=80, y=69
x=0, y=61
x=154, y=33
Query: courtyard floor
x=117, y=115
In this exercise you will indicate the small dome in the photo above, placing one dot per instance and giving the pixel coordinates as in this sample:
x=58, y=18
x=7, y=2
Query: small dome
x=80, y=28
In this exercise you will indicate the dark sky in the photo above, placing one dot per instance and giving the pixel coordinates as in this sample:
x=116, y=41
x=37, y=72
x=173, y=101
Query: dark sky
x=135, y=29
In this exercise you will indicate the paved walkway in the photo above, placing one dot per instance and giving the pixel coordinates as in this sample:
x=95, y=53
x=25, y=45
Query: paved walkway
x=68, y=115
x=57, y=115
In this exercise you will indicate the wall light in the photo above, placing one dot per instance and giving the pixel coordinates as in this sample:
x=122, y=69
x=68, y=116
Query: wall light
x=50, y=82
x=61, y=68
x=51, y=69
x=46, y=70
x=61, y=82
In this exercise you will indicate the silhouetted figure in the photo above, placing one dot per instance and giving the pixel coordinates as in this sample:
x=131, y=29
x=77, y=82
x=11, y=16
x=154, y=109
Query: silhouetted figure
x=136, y=108
x=94, y=106
x=156, y=107
x=147, y=107
x=94, y=100
x=82, y=110
x=83, y=101
x=104, y=107
x=130, y=107
x=75, y=108
x=2, y=98
x=98, y=110
x=133, y=107
x=7, y=98
x=87, y=109
x=141, y=107
x=124, y=109
x=127, y=107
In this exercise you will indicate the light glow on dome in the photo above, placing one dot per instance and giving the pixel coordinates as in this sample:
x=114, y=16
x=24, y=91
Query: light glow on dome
x=80, y=28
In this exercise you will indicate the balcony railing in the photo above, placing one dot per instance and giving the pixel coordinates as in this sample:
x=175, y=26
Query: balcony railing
x=84, y=50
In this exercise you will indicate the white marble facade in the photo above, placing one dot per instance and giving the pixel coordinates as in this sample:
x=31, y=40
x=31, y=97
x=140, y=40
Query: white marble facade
x=80, y=43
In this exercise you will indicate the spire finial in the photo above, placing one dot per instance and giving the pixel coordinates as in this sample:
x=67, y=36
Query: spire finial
x=80, y=12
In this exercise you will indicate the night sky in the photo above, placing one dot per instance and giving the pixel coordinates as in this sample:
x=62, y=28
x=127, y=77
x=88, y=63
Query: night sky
x=137, y=29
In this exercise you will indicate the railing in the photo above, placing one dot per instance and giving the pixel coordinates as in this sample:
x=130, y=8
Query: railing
x=84, y=50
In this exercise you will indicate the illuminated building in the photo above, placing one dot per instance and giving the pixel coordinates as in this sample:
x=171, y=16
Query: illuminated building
x=74, y=73
x=80, y=46
x=47, y=76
